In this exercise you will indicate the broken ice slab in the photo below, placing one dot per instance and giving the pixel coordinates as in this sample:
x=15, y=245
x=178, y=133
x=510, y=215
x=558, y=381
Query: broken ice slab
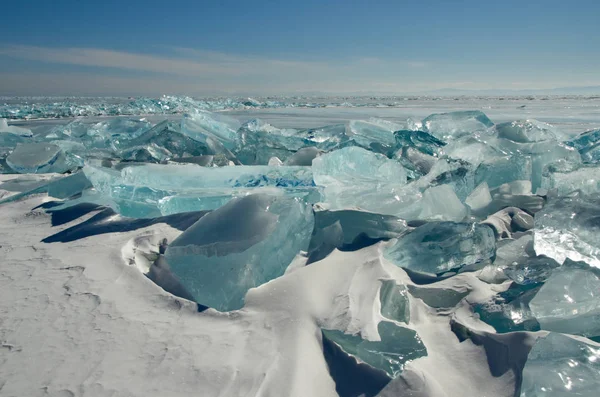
x=441, y=203
x=472, y=149
x=204, y=126
x=496, y=171
x=415, y=162
x=165, y=138
x=189, y=185
x=541, y=153
x=567, y=227
x=448, y=126
x=588, y=146
x=351, y=225
x=566, y=177
x=417, y=151
x=479, y=199
x=510, y=252
x=356, y=178
x=258, y=141
x=210, y=199
x=186, y=177
x=562, y=366
x=396, y=347
x=327, y=138
x=13, y=129
x=394, y=301
x=526, y=131
x=8, y=142
x=569, y=302
x=532, y=270
x=420, y=140
x=303, y=157
x=24, y=185
x=242, y=245
x=364, y=133
x=437, y=247
x=37, y=158
x=69, y=186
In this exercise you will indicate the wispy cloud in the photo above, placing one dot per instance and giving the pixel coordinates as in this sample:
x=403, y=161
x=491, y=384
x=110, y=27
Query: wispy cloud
x=191, y=62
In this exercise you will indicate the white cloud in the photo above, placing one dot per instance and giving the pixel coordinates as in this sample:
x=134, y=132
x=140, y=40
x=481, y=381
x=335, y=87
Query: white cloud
x=184, y=62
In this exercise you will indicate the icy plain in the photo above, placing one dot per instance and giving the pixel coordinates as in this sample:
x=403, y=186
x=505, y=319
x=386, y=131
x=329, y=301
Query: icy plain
x=300, y=247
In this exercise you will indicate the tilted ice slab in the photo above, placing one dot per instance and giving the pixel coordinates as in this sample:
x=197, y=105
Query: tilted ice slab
x=588, y=146
x=437, y=247
x=561, y=366
x=525, y=131
x=36, y=158
x=210, y=199
x=354, y=177
x=447, y=126
x=13, y=129
x=569, y=302
x=176, y=184
x=565, y=177
x=568, y=227
x=242, y=245
x=202, y=125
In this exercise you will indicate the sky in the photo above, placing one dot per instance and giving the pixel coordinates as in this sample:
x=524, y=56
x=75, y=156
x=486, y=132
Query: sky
x=263, y=47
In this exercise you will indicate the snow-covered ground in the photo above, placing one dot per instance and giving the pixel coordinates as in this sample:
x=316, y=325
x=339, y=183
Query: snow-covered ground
x=78, y=318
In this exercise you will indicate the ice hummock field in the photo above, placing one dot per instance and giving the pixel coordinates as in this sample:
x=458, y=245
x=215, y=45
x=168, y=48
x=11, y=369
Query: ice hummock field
x=300, y=247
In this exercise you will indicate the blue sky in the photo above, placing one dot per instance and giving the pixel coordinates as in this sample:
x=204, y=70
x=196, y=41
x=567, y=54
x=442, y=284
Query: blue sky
x=64, y=47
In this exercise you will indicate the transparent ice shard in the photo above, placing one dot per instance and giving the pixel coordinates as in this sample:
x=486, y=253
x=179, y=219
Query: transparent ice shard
x=569, y=302
x=479, y=199
x=37, y=158
x=356, y=178
x=448, y=126
x=561, y=366
x=364, y=133
x=352, y=225
x=437, y=247
x=13, y=129
x=397, y=346
x=188, y=177
x=420, y=140
x=568, y=227
x=69, y=186
x=165, y=138
x=258, y=141
x=8, y=142
x=418, y=151
x=566, y=177
x=588, y=146
x=510, y=252
x=533, y=270
x=441, y=203
x=525, y=131
x=303, y=157
x=542, y=153
x=394, y=301
x=496, y=171
x=242, y=245
x=205, y=127
x=210, y=199
x=185, y=186
x=472, y=149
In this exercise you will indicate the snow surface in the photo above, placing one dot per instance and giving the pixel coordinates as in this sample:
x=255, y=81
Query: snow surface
x=79, y=318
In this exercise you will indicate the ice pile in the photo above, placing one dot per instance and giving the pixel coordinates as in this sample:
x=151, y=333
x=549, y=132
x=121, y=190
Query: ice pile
x=449, y=206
